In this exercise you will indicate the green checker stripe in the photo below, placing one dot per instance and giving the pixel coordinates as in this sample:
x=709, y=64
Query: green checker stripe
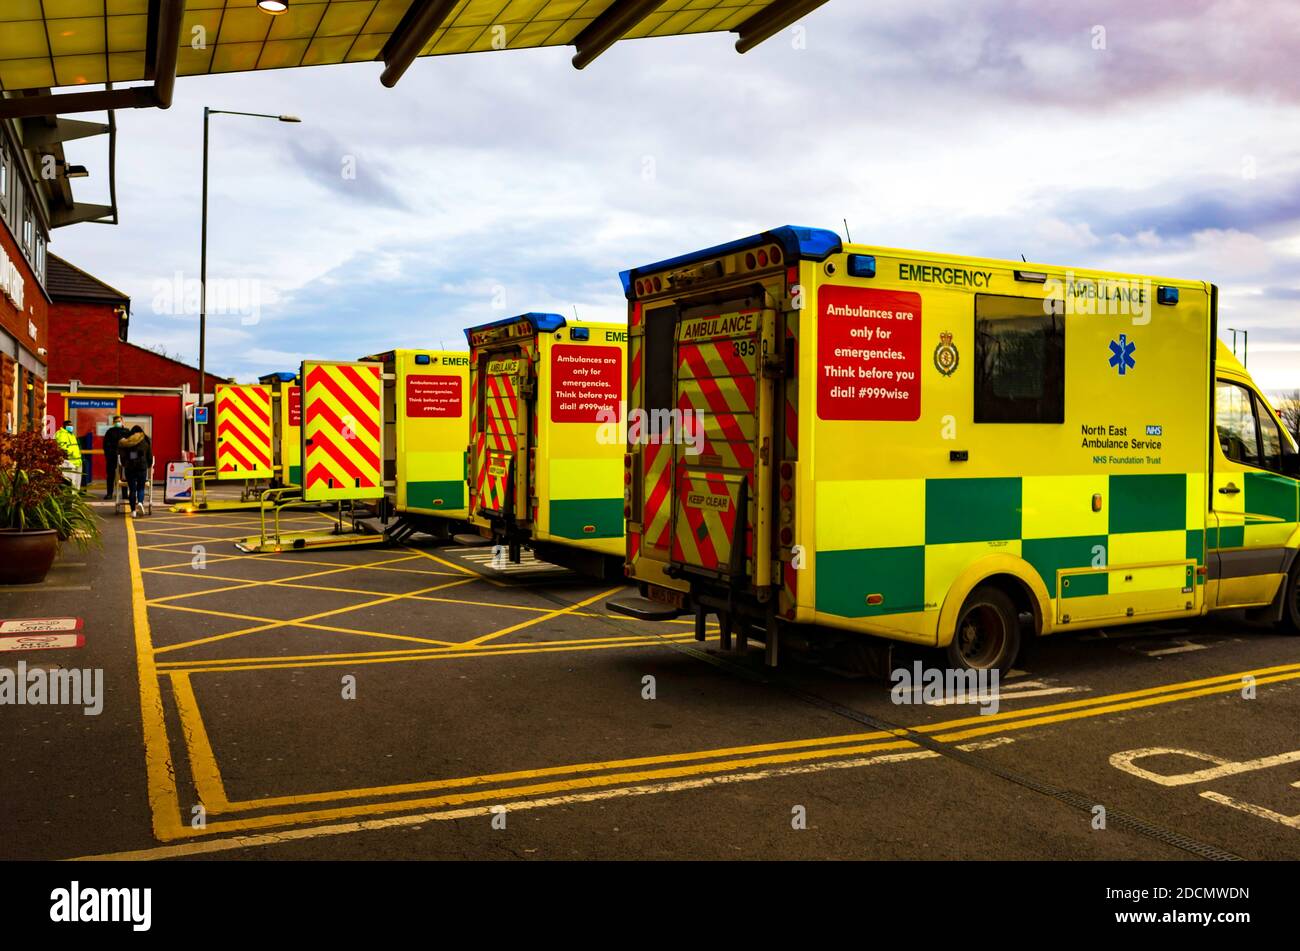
x=1047, y=555
x=570, y=516
x=845, y=578
x=1196, y=549
x=971, y=510
x=1271, y=495
x=444, y=494
x=1148, y=503
x=1228, y=536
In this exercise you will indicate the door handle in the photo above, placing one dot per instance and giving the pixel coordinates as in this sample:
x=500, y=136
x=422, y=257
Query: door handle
x=1229, y=489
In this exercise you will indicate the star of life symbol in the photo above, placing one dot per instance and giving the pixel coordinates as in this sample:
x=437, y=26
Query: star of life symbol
x=1121, y=354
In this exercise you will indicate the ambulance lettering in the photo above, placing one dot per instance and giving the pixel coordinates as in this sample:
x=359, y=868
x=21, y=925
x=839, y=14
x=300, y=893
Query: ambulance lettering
x=719, y=326
x=700, y=500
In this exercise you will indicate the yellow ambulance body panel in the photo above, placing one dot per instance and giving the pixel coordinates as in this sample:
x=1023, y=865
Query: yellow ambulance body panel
x=887, y=432
x=546, y=446
x=426, y=430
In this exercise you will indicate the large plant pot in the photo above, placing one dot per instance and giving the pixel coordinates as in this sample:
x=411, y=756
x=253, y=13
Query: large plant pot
x=25, y=557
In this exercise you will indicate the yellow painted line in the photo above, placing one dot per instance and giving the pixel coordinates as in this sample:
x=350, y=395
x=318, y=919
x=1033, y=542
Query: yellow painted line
x=160, y=777
x=209, y=559
x=461, y=568
x=369, y=592
x=209, y=846
x=269, y=623
x=545, y=617
x=1148, y=701
x=412, y=656
x=203, y=762
x=217, y=665
x=246, y=583
x=944, y=732
x=298, y=621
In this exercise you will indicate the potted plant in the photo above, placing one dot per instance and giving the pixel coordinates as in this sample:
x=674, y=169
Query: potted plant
x=38, y=509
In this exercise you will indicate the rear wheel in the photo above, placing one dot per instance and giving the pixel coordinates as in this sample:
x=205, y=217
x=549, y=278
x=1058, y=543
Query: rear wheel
x=1290, y=621
x=988, y=632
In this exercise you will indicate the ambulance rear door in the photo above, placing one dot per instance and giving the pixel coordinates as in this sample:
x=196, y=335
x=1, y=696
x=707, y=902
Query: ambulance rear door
x=505, y=397
x=721, y=494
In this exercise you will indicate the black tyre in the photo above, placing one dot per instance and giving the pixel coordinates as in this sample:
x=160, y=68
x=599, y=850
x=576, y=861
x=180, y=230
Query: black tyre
x=988, y=632
x=1290, y=620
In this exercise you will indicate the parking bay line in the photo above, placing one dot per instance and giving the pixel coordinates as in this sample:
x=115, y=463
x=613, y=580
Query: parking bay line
x=164, y=802
x=632, y=784
x=800, y=750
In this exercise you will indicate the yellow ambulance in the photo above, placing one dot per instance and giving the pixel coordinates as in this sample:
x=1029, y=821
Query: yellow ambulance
x=546, y=451
x=944, y=450
x=426, y=409
x=286, y=432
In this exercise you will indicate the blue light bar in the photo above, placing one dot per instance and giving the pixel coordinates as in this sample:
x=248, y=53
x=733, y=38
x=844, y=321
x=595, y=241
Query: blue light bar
x=862, y=265
x=1166, y=295
x=543, y=322
x=814, y=244
x=284, y=376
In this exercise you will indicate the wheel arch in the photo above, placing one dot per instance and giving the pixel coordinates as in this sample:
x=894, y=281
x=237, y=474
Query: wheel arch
x=1013, y=575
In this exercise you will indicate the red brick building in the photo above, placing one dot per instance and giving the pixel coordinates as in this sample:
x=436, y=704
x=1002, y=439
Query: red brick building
x=24, y=305
x=95, y=371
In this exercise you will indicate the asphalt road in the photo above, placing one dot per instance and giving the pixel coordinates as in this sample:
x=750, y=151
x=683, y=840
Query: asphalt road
x=417, y=703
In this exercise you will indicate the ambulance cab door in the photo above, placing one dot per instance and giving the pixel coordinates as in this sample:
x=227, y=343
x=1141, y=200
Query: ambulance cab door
x=1254, y=498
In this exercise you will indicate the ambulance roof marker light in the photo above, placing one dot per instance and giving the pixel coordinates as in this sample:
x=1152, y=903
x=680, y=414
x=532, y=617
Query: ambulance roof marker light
x=862, y=265
x=579, y=333
x=422, y=359
x=815, y=244
x=1166, y=295
x=1031, y=277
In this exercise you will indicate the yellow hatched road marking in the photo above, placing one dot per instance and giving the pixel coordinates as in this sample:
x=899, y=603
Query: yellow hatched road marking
x=452, y=652
x=270, y=623
x=247, y=583
x=298, y=621
x=545, y=617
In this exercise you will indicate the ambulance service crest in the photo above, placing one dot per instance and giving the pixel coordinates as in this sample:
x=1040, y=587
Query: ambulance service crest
x=945, y=355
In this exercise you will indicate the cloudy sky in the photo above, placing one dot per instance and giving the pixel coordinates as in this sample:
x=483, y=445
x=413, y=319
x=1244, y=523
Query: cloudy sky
x=1157, y=137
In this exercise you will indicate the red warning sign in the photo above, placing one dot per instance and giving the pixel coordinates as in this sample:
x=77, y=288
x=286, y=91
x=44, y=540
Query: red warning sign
x=585, y=383
x=433, y=397
x=869, y=354
x=295, y=406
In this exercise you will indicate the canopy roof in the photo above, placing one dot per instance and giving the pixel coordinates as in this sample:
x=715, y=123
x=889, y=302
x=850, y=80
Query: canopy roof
x=53, y=43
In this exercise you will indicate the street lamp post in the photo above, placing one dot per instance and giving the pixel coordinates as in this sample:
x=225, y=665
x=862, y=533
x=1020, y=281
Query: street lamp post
x=203, y=249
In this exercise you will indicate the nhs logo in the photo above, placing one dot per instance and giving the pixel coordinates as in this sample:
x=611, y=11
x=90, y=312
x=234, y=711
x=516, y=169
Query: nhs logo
x=1155, y=430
